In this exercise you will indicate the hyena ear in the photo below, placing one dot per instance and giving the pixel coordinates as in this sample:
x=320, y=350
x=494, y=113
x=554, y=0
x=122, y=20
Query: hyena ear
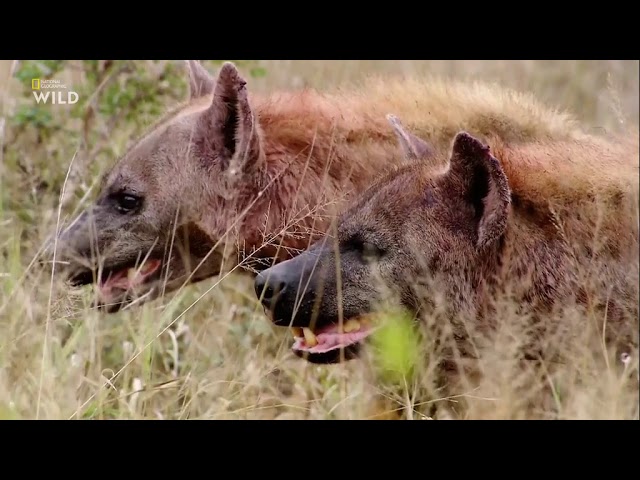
x=228, y=130
x=414, y=147
x=201, y=83
x=483, y=183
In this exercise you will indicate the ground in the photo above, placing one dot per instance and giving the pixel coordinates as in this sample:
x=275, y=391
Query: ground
x=209, y=352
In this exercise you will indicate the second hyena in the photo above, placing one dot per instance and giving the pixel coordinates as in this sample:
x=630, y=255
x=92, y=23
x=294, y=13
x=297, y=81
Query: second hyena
x=545, y=224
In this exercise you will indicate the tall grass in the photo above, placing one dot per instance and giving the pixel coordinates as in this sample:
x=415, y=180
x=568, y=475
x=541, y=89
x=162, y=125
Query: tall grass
x=222, y=358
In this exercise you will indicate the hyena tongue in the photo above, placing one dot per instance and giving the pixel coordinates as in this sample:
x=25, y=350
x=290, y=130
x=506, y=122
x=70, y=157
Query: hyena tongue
x=126, y=279
x=116, y=281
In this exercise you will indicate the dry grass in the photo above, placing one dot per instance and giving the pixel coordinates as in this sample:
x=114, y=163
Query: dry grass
x=220, y=358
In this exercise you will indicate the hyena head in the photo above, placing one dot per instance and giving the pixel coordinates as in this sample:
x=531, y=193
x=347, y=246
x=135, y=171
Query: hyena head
x=423, y=223
x=159, y=219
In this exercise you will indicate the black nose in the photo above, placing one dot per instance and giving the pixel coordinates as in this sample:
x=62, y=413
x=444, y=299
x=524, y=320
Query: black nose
x=268, y=287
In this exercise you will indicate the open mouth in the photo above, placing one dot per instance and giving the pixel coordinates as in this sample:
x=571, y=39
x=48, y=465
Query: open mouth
x=121, y=281
x=332, y=343
x=116, y=285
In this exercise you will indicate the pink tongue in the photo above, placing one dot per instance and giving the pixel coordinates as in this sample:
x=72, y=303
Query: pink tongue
x=121, y=281
x=117, y=280
x=330, y=341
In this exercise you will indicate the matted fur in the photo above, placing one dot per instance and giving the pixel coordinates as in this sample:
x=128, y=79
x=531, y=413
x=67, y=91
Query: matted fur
x=262, y=176
x=483, y=237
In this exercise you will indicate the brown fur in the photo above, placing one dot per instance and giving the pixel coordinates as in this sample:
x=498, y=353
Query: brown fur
x=544, y=224
x=261, y=176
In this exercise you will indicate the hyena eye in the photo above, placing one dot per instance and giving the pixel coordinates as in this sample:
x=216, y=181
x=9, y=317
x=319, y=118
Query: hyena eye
x=366, y=250
x=126, y=203
x=369, y=251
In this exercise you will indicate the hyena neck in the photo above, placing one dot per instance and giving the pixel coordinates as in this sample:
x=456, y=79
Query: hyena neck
x=285, y=220
x=469, y=292
x=315, y=162
x=520, y=271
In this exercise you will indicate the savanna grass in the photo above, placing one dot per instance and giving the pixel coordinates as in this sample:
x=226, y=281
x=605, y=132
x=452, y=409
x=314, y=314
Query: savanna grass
x=208, y=352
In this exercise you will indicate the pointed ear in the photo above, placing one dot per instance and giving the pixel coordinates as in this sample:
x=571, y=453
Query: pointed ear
x=201, y=83
x=228, y=129
x=483, y=183
x=414, y=147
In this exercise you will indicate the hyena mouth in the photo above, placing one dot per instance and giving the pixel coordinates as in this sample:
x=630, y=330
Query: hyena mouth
x=333, y=343
x=116, y=285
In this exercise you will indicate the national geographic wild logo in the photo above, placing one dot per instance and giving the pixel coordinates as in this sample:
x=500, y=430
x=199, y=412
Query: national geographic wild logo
x=53, y=92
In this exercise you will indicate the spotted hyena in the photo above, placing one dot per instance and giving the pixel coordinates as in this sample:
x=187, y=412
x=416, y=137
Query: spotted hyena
x=232, y=178
x=449, y=234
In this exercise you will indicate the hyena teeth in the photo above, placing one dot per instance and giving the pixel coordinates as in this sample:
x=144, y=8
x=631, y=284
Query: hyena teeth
x=309, y=337
x=132, y=273
x=351, y=325
x=297, y=331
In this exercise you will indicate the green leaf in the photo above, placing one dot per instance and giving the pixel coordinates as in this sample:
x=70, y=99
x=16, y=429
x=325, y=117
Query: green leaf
x=397, y=345
x=258, y=72
x=8, y=413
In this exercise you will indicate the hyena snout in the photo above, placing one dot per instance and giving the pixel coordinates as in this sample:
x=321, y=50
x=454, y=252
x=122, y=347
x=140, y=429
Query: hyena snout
x=67, y=247
x=268, y=289
x=285, y=288
x=272, y=285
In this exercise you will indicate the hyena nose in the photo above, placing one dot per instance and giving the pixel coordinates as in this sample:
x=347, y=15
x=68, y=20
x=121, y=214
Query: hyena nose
x=268, y=288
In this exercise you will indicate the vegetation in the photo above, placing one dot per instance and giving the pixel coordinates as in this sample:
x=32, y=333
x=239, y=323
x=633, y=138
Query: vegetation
x=209, y=352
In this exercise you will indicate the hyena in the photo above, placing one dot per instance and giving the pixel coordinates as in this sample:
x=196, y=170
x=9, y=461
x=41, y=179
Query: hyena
x=231, y=179
x=543, y=224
